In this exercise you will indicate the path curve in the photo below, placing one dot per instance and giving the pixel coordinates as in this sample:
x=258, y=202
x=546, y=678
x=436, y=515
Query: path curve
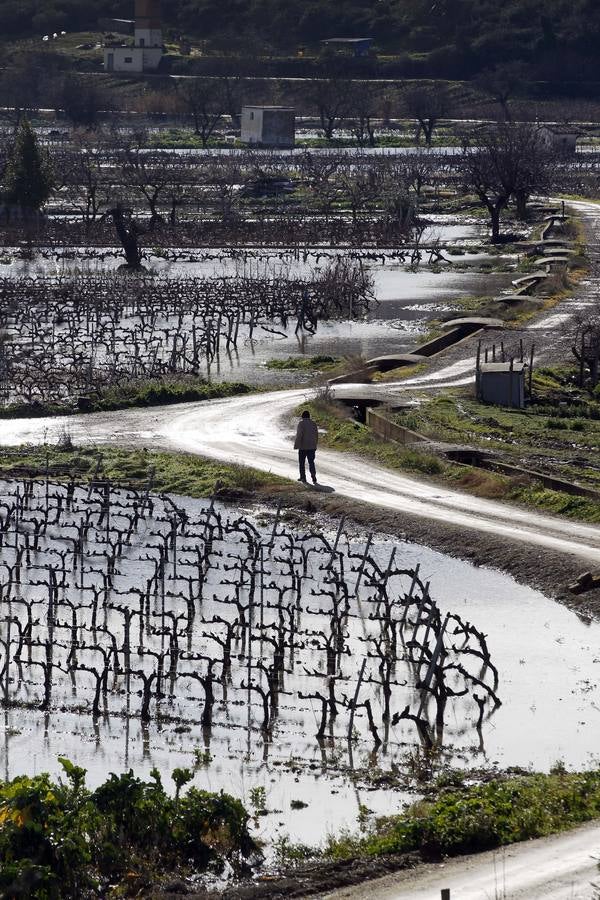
x=255, y=430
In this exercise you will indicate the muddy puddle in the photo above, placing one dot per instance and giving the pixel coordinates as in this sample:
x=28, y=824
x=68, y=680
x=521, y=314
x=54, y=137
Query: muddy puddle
x=184, y=599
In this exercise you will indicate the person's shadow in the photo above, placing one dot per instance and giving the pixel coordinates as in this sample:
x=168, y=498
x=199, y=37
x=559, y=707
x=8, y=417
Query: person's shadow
x=323, y=488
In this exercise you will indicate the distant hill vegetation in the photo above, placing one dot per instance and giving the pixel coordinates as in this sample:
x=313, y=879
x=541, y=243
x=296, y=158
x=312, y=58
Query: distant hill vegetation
x=557, y=39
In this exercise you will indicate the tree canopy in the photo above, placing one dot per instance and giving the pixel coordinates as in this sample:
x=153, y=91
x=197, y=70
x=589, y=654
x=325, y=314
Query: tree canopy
x=28, y=179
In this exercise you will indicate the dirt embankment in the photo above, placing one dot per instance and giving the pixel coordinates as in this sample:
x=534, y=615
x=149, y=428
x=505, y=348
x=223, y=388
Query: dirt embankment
x=304, y=881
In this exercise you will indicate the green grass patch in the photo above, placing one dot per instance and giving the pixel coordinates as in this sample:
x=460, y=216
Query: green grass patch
x=304, y=363
x=176, y=473
x=401, y=373
x=483, y=817
x=552, y=436
x=347, y=435
x=464, y=421
x=548, y=424
x=133, y=394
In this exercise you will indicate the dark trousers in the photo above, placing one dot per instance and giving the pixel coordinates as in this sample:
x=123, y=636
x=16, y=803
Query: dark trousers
x=303, y=457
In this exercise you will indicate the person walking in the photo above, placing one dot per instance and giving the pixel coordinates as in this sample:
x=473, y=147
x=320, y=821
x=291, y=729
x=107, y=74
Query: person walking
x=307, y=438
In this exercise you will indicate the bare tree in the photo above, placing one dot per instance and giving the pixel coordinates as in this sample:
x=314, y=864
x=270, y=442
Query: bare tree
x=329, y=96
x=205, y=101
x=146, y=172
x=414, y=170
x=502, y=83
x=504, y=162
x=86, y=179
x=233, y=87
x=363, y=99
x=362, y=187
x=225, y=176
x=129, y=233
x=319, y=172
x=427, y=103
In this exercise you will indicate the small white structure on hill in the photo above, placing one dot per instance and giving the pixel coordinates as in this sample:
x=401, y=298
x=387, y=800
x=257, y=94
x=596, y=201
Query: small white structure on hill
x=147, y=51
x=269, y=126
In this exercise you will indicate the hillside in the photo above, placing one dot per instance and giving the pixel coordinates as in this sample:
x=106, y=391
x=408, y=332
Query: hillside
x=558, y=39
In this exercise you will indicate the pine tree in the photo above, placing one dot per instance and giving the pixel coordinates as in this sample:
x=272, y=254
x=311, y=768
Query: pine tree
x=29, y=180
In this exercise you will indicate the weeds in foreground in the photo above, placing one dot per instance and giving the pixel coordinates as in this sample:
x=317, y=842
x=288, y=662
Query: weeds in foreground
x=484, y=817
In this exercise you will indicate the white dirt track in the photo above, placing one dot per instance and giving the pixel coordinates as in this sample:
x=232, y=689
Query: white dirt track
x=255, y=430
x=561, y=867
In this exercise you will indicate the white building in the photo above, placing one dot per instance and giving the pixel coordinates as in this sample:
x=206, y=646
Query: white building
x=147, y=51
x=560, y=139
x=269, y=126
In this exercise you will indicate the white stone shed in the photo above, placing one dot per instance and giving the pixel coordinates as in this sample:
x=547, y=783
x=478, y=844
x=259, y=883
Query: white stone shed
x=269, y=126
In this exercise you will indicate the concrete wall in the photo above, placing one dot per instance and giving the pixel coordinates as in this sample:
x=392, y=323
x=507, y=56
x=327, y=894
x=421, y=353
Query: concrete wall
x=252, y=124
x=132, y=59
x=279, y=128
x=148, y=37
x=559, y=142
x=123, y=59
x=448, y=339
x=390, y=431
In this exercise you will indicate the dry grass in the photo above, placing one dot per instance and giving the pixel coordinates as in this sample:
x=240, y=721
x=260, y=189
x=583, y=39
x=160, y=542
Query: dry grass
x=483, y=484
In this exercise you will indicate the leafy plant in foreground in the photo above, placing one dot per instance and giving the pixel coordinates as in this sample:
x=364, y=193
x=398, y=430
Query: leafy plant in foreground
x=59, y=840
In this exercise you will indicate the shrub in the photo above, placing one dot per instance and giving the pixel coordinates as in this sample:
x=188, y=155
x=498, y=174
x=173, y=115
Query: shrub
x=58, y=838
x=487, y=816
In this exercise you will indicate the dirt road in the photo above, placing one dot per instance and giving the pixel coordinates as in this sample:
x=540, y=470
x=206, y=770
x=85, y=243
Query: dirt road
x=255, y=431
x=561, y=867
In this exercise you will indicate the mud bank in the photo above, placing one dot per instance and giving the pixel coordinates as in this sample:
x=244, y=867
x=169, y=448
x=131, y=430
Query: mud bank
x=305, y=881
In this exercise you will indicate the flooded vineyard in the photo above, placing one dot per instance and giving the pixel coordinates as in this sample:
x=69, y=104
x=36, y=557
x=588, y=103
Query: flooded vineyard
x=74, y=335
x=71, y=324
x=142, y=630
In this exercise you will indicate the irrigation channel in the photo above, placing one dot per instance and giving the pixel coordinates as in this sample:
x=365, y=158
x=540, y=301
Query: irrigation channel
x=141, y=630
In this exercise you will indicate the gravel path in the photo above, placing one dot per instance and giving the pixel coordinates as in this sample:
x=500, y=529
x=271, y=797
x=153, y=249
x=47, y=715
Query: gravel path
x=561, y=867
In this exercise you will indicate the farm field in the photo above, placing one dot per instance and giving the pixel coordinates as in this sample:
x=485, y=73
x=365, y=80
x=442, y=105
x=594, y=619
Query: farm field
x=270, y=674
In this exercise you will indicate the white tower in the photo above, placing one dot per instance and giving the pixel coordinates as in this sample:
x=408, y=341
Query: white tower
x=148, y=26
x=147, y=52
